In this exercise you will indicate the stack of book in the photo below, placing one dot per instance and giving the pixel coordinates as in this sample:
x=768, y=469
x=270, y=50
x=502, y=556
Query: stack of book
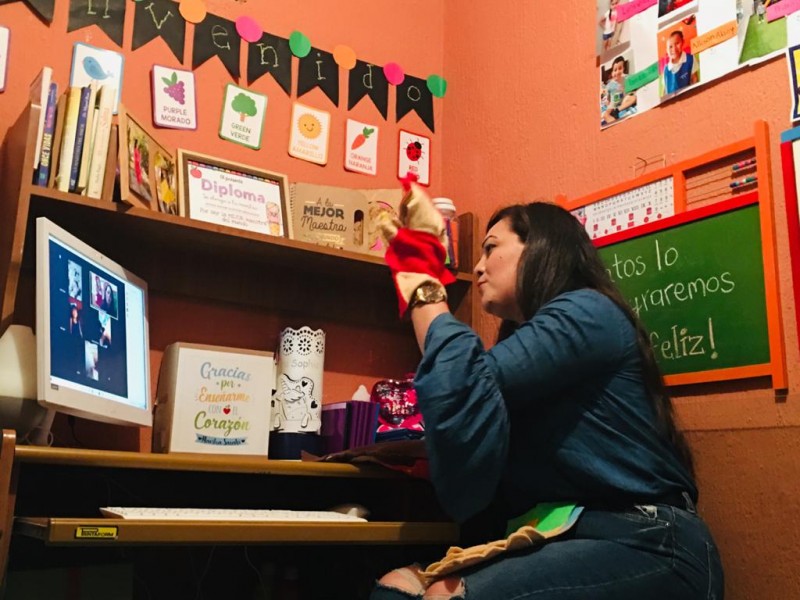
x=349, y=424
x=75, y=140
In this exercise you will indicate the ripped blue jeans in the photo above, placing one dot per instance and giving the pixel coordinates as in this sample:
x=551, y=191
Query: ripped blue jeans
x=658, y=552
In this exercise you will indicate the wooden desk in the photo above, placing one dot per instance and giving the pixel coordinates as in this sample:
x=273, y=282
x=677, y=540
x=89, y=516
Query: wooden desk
x=50, y=493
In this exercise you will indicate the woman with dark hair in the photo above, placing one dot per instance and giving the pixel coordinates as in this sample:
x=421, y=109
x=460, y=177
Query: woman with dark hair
x=566, y=410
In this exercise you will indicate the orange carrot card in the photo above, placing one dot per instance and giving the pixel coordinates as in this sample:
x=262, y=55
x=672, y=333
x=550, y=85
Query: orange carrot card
x=361, y=148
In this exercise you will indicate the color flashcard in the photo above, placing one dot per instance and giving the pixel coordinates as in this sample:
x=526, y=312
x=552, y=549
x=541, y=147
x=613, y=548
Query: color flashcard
x=99, y=65
x=4, y=36
x=414, y=156
x=174, y=100
x=361, y=148
x=242, y=119
x=310, y=133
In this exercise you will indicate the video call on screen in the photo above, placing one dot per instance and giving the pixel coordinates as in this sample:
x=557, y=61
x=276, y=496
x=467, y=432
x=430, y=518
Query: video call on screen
x=87, y=323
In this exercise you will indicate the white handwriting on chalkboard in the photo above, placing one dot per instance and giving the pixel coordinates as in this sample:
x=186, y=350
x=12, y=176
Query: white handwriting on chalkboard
x=682, y=343
x=635, y=267
x=626, y=269
x=683, y=292
x=672, y=293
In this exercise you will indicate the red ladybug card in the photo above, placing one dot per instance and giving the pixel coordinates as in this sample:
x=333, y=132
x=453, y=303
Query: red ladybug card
x=174, y=100
x=361, y=148
x=414, y=156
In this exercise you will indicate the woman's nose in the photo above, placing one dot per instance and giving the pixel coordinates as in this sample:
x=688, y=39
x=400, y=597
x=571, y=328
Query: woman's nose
x=478, y=270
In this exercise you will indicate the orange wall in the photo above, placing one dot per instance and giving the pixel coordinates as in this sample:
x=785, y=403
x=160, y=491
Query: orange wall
x=408, y=33
x=521, y=123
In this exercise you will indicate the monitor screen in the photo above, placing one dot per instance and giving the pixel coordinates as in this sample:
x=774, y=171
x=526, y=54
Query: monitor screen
x=91, y=330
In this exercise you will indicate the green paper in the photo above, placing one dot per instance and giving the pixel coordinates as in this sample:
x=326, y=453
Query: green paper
x=641, y=78
x=437, y=85
x=299, y=44
x=548, y=515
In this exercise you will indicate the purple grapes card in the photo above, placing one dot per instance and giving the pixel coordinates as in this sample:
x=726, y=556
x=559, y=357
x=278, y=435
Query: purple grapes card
x=174, y=100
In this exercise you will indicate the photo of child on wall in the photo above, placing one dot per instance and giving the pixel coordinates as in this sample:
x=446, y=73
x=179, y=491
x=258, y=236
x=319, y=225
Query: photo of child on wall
x=678, y=67
x=758, y=36
x=665, y=7
x=615, y=103
x=611, y=32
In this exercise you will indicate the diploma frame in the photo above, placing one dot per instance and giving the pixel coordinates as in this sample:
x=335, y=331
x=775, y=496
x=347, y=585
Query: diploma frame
x=189, y=208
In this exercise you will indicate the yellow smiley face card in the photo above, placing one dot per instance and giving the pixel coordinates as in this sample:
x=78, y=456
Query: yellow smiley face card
x=309, y=134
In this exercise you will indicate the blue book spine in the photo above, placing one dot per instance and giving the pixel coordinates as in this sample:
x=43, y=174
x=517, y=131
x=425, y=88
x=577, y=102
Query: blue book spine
x=80, y=134
x=43, y=173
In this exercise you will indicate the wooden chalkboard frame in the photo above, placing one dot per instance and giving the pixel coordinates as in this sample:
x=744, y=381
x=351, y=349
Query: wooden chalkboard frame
x=759, y=146
x=685, y=218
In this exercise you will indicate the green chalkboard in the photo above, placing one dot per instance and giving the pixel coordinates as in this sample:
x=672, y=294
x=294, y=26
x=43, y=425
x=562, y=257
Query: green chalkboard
x=698, y=286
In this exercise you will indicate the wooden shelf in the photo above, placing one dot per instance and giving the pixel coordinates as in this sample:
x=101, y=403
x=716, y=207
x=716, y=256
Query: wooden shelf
x=189, y=258
x=195, y=462
x=47, y=493
x=59, y=531
x=169, y=234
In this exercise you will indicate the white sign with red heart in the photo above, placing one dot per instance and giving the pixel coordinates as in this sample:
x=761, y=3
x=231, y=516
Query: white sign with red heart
x=213, y=399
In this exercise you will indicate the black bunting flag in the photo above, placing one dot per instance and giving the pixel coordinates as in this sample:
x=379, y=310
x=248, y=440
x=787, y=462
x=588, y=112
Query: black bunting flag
x=108, y=15
x=413, y=94
x=368, y=80
x=319, y=69
x=271, y=54
x=43, y=8
x=159, y=18
x=215, y=36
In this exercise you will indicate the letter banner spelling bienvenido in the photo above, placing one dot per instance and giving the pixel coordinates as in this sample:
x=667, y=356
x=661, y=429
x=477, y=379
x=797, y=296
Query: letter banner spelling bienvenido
x=215, y=36
x=108, y=15
x=367, y=79
x=271, y=54
x=159, y=18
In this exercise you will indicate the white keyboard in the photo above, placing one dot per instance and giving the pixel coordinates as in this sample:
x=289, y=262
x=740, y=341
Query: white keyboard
x=227, y=514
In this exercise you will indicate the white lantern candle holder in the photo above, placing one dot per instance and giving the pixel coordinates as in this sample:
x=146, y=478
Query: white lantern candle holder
x=297, y=401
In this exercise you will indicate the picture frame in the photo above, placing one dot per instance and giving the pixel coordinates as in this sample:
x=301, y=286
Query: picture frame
x=147, y=170
x=235, y=195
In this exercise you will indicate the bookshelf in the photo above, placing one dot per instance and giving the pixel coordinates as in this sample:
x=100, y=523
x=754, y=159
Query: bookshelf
x=141, y=238
x=48, y=492
x=214, y=265
x=52, y=494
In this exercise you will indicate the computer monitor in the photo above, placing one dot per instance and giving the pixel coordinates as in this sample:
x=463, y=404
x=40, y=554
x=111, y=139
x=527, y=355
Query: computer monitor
x=91, y=331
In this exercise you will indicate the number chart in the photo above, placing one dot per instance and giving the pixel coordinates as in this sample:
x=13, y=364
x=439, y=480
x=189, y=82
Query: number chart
x=626, y=210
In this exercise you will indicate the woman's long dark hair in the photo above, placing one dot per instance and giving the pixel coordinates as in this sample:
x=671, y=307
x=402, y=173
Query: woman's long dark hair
x=559, y=257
